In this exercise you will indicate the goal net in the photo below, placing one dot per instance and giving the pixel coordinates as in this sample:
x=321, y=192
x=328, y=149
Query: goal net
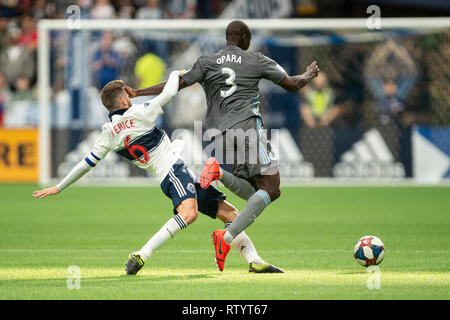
x=379, y=109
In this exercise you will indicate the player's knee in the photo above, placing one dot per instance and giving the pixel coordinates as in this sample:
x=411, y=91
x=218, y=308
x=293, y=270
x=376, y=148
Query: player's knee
x=270, y=184
x=274, y=193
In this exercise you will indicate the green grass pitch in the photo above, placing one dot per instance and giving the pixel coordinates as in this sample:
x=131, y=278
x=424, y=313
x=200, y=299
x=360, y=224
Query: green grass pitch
x=309, y=231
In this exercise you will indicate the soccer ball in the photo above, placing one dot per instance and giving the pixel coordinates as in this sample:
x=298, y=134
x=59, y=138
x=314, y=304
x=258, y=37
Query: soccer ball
x=369, y=251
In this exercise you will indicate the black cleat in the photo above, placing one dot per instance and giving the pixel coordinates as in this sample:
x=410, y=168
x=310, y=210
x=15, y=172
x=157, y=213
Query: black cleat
x=134, y=263
x=264, y=268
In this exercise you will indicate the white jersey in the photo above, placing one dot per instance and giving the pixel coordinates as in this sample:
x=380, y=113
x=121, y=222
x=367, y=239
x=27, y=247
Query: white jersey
x=132, y=134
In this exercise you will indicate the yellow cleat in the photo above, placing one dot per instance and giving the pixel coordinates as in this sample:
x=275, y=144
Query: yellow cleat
x=134, y=263
x=264, y=268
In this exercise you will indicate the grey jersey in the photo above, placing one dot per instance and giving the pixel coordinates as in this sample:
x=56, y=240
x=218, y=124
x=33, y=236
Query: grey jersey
x=230, y=79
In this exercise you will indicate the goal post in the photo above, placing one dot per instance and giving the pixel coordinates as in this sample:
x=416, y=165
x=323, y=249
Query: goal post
x=287, y=28
x=43, y=73
x=255, y=24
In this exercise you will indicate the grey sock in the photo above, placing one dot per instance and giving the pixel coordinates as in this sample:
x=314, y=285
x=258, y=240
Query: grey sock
x=240, y=187
x=255, y=205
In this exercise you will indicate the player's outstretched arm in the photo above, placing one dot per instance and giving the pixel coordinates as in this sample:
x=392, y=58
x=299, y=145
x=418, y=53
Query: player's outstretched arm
x=76, y=173
x=154, y=90
x=295, y=83
x=170, y=89
x=45, y=192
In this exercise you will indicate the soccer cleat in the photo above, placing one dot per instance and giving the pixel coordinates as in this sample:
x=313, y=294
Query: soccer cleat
x=210, y=173
x=221, y=248
x=134, y=263
x=264, y=268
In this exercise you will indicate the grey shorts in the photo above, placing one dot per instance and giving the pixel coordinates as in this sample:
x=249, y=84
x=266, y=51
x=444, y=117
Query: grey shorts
x=245, y=148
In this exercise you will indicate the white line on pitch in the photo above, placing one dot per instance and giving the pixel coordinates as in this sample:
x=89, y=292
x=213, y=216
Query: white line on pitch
x=205, y=251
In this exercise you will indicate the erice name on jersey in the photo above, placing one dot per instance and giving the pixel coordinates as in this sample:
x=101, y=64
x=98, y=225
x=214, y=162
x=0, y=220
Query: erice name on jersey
x=127, y=124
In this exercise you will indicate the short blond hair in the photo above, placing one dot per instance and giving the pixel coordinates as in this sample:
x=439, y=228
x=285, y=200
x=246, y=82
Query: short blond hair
x=111, y=93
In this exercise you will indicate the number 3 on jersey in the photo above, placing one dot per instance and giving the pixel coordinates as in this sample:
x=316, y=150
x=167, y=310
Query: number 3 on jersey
x=229, y=81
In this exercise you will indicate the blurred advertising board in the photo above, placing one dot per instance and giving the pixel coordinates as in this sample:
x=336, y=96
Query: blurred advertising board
x=19, y=154
x=431, y=153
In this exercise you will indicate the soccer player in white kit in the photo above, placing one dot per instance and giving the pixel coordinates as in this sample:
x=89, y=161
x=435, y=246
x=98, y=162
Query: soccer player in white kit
x=132, y=134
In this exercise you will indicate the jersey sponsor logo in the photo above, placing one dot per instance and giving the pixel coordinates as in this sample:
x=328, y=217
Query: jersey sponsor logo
x=229, y=58
x=124, y=125
x=369, y=157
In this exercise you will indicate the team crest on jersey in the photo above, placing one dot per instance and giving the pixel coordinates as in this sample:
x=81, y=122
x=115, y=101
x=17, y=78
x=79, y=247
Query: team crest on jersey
x=191, y=188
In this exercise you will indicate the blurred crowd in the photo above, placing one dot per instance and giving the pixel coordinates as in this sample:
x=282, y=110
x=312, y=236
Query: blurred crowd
x=18, y=43
x=345, y=93
x=110, y=9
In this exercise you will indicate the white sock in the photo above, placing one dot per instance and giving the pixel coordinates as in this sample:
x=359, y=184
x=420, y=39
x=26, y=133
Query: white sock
x=167, y=232
x=245, y=247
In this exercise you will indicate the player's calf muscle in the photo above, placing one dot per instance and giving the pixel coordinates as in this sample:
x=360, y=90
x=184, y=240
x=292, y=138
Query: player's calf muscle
x=226, y=212
x=188, y=210
x=270, y=184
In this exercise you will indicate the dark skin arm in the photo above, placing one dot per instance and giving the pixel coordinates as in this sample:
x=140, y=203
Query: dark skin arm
x=295, y=83
x=289, y=83
x=153, y=90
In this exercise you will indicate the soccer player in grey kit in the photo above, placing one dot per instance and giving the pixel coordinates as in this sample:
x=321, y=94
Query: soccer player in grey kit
x=230, y=80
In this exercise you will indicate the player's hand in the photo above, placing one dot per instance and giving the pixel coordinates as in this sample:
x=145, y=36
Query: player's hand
x=180, y=72
x=45, y=192
x=131, y=92
x=312, y=70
